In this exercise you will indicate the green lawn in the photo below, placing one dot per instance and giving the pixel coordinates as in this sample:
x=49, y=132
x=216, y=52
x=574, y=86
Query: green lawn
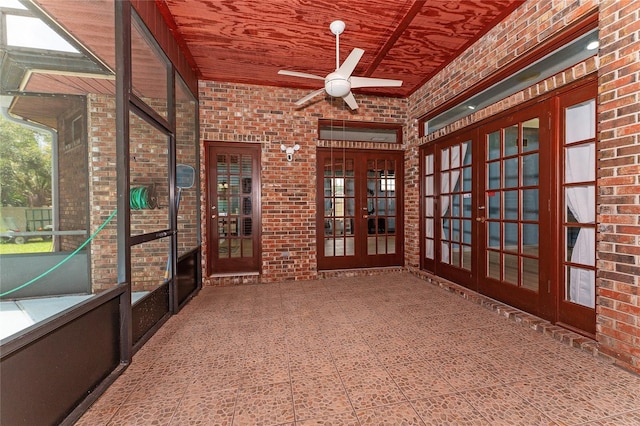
x=32, y=246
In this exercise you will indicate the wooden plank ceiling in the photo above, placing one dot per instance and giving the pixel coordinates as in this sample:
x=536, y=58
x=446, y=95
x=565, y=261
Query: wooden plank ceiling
x=248, y=41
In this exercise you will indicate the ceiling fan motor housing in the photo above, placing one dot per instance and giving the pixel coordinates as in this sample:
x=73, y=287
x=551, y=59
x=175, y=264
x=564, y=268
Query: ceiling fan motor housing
x=336, y=85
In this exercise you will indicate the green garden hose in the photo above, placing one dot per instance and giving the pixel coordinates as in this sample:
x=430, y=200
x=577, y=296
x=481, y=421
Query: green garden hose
x=63, y=261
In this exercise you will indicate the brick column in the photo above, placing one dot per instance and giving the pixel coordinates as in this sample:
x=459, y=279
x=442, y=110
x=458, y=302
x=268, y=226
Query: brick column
x=618, y=304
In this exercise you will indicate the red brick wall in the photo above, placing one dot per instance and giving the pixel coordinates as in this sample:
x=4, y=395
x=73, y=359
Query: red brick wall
x=619, y=182
x=268, y=115
x=102, y=193
x=72, y=177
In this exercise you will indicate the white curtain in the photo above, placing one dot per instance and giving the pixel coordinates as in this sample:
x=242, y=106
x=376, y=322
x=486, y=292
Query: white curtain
x=580, y=161
x=458, y=153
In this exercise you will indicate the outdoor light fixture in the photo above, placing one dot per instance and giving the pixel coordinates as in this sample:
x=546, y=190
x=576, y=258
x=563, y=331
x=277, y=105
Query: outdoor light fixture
x=289, y=150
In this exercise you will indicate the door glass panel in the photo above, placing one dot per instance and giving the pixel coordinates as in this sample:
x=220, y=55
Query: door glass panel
x=510, y=141
x=580, y=122
x=493, y=174
x=466, y=178
x=530, y=167
x=511, y=173
x=428, y=183
x=444, y=159
x=530, y=278
x=530, y=204
x=510, y=269
x=493, y=203
x=493, y=265
x=510, y=236
x=530, y=241
x=493, y=145
x=578, y=155
x=466, y=205
x=455, y=156
x=581, y=288
x=511, y=207
x=530, y=135
x=493, y=236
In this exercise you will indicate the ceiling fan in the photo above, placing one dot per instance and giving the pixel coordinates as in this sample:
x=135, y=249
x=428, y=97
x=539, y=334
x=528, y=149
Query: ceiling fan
x=340, y=82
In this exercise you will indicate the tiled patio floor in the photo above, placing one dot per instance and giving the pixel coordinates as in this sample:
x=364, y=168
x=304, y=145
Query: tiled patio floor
x=381, y=350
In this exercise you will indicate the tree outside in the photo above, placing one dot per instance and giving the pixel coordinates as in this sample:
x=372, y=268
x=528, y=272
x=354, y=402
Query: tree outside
x=25, y=166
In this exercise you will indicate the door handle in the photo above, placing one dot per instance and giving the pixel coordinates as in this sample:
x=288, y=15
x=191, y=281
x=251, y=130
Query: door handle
x=365, y=216
x=213, y=216
x=481, y=219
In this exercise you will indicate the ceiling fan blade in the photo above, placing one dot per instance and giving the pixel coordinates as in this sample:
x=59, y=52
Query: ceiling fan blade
x=350, y=63
x=351, y=101
x=300, y=74
x=309, y=96
x=374, y=82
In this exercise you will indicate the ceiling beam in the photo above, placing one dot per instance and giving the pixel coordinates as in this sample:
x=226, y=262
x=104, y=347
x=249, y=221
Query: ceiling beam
x=406, y=20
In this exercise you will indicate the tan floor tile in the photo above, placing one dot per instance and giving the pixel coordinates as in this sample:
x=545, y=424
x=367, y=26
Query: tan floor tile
x=560, y=402
x=608, y=388
x=401, y=414
x=627, y=419
x=158, y=386
x=319, y=396
x=156, y=412
x=371, y=388
x=267, y=405
x=304, y=364
x=201, y=405
x=419, y=380
x=501, y=405
x=445, y=410
x=397, y=355
x=264, y=368
x=342, y=419
x=465, y=372
x=97, y=415
x=321, y=349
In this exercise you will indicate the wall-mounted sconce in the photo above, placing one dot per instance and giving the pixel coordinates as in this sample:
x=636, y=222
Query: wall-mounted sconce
x=289, y=150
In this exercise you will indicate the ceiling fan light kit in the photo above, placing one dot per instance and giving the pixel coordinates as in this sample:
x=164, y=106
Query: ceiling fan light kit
x=338, y=84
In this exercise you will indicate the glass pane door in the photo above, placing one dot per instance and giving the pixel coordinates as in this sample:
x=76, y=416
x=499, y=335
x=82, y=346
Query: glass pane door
x=233, y=217
x=514, y=210
x=234, y=177
x=512, y=204
x=577, y=254
x=359, y=195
